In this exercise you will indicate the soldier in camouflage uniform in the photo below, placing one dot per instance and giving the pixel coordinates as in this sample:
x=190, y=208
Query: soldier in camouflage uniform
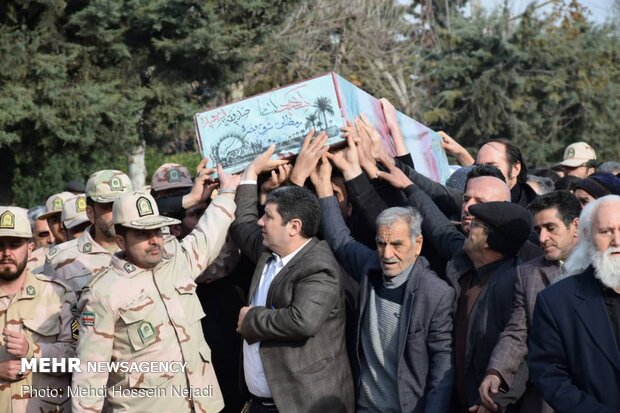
x=53, y=207
x=172, y=181
x=145, y=308
x=42, y=236
x=74, y=217
x=37, y=321
x=76, y=261
x=219, y=287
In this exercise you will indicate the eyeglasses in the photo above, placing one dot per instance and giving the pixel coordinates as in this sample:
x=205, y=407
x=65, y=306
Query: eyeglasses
x=42, y=234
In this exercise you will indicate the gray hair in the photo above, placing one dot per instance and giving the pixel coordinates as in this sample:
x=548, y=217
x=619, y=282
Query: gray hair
x=409, y=215
x=611, y=167
x=33, y=214
x=545, y=184
x=581, y=257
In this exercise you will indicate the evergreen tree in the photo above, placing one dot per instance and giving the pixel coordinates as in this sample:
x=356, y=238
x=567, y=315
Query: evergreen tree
x=550, y=82
x=86, y=80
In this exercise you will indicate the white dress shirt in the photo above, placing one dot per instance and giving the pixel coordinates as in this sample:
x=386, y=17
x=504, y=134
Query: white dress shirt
x=252, y=363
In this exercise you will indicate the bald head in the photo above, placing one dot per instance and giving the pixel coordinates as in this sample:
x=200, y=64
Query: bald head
x=479, y=190
x=495, y=153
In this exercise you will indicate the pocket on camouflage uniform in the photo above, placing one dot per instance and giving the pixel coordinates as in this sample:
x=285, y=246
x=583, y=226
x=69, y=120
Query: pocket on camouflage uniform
x=186, y=289
x=44, y=329
x=141, y=326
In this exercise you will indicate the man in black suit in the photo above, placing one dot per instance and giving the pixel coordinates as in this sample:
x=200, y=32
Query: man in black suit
x=574, y=345
x=294, y=354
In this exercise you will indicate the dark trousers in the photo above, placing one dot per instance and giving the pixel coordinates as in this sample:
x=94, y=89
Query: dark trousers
x=262, y=405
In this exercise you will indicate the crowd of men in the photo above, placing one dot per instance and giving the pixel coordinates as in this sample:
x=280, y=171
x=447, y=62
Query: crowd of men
x=340, y=281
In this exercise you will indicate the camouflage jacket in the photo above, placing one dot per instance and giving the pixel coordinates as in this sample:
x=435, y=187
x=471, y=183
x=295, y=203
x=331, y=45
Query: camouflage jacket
x=37, y=259
x=139, y=315
x=43, y=310
x=75, y=262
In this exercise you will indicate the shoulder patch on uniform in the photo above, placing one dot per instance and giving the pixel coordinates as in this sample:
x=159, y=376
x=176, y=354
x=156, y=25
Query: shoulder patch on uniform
x=53, y=251
x=74, y=310
x=75, y=329
x=30, y=290
x=88, y=318
x=129, y=267
x=88, y=247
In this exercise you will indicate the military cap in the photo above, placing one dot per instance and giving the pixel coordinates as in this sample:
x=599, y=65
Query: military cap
x=509, y=224
x=107, y=185
x=171, y=176
x=74, y=211
x=577, y=154
x=139, y=210
x=54, y=204
x=14, y=222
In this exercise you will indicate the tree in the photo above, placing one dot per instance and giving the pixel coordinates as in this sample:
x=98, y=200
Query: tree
x=88, y=80
x=372, y=43
x=323, y=106
x=552, y=81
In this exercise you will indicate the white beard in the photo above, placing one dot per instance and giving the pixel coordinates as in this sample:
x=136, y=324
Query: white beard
x=607, y=268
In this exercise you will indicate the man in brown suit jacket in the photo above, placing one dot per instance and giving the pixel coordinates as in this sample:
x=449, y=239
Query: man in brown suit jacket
x=556, y=218
x=294, y=355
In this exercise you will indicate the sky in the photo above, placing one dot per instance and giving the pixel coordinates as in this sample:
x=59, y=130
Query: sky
x=600, y=10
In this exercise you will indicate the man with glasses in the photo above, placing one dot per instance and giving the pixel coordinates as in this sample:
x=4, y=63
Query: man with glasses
x=42, y=237
x=52, y=215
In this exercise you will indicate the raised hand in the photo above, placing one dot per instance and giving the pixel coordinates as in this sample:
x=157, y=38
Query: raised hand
x=391, y=118
x=308, y=157
x=321, y=178
x=203, y=185
x=455, y=149
x=347, y=160
x=277, y=179
x=364, y=150
x=368, y=132
x=228, y=183
x=262, y=163
x=394, y=176
x=350, y=130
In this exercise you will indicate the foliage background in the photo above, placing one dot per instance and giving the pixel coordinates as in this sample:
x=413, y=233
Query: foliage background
x=85, y=82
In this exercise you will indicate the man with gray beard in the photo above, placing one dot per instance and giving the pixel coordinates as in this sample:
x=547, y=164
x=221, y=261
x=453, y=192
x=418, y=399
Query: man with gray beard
x=574, y=346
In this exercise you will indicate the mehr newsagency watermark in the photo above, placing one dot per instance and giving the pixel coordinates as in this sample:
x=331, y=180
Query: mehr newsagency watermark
x=73, y=365
x=116, y=391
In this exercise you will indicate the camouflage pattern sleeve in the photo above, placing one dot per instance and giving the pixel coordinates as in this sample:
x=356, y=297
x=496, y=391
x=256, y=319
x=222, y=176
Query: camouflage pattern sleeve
x=48, y=267
x=204, y=243
x=96, y=337
x=64, y=347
